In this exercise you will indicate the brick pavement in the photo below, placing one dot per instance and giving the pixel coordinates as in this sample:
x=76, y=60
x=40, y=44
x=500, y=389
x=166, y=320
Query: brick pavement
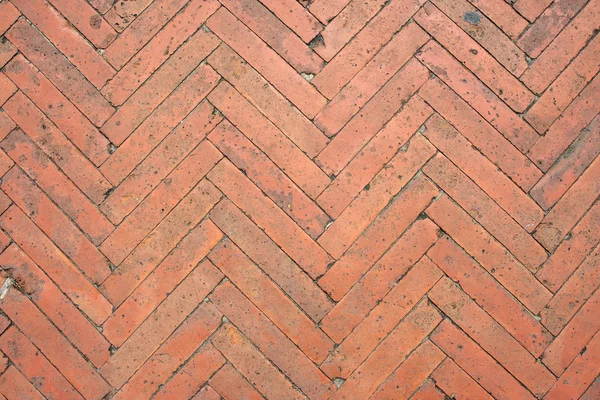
x=295, y=199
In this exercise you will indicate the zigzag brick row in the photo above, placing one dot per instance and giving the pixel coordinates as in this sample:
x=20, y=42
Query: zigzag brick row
x=299, y=199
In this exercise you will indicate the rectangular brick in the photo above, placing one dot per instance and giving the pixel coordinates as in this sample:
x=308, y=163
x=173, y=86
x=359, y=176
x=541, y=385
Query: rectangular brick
x=231, y=384
x=271, y=259
x=259, y=289
x=7, y=49
x=6, y=125
x=57, y=186
x=266, y=62
x=428, y=391
x=296, y=17
x=452, y=379
x=503, y=15
x=158, y=327
x=162, y=83
x=375, y=114
x=7, y=89
x=54, y=263
x=9, y=15
x=325, y=10
x=380, y=279
x=60, y=72
x=162, y=281
x=16, y=386
x=531, y=9
x=144, y=259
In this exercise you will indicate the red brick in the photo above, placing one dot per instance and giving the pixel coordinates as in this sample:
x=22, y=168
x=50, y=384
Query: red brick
x=266, y=62
x=181, y=105
x=572, y=251
x=193, y=375
x=231, y=385
x=490, y=296
x=428, y=391
x=370, y=79
x=207, y=393
x=5, y=163
x=54, y=263
x=382, y=319
x=276, y=35
x=57, y=186
x=477, y=363
x=376, y=113
x=475, y=57
x=54, y=143
x=144, y=259
x=174, y=352
x=574, y=337
x=489, y=254
x=479, y=132
x=160, y=202
x=35, y=367
x=571, y=207
x=296, y=17
x=378, y=237
x=7, y=49
x=268, y=298
x=531, y=9
x=573, y=294
x=60, y=110
x=253, y=365
x=272, y=342
x=390, y=353
x=14, y=385
x=503, y=15
x=365, y=45
x=593, y=391
x=375, y=155
x=162, y=281
x=456, y=383
x=411, y=373
x=269, y=139
x=325, y=10
x=165, y=81
x=562, y=49
x=373, y=199
x=53, y=345
x=565, y=129
x=380, y=279
x=478, y=96
x=271, y=259
x=9, y=15
x=158, y=327
x=101, y=5
x=491, y=336
x=7, y=88
x=481, y=170
x=269, y=178
x=158, y=50
x=6, y=125
x=159, y=163
x=292, y=239
x=485, y=211
x=580, y=374
x=66, y=39
x=120, y=15
x=569, y=167
x=49, y=298
x=565, y=88
x=268, y=100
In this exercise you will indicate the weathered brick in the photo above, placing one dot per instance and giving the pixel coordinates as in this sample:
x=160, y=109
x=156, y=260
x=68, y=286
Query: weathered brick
x=230, y=384
x=17, y=386
x=7, y=49
x=452, y=380
x=531, y=9
x=325, y=10
x=8, y=15
x=503, y=15
x=7, y=89
x=295, y=17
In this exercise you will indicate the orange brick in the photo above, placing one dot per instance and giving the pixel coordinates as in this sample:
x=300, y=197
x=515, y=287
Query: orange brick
x=7, y=49
x=162, y=281
x=376, y=113
x=60, y=72
x=491, y=336
x=269, y=178
x=7, y=88
x=57, y=186
x=231, y=385
x=593, y=391
x=266, y=62
x=373, y=199
x=531, y=9
x=456, y=383
x=269, y=139
x=475, y=57
x=380, y=279
x=6, y=125
x=165, y=81
x=35, y=367
x=16, y=386
x=271, y=259
x=174, y=352
x=207, y=393
x=478, y=96
x=121, y=15
x=101, y=5
x=292, y=239
x=428, y=391
x=158, y=327
x=54, y=263
x=296, y=17
x=325, y=10
x=53, y=345
x=503, y=15
x=268, y=100
x=142, y=261
x=378, y=237
x=9, y=15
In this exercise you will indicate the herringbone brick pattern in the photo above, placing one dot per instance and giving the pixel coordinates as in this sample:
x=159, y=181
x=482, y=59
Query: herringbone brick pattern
x=295, y=199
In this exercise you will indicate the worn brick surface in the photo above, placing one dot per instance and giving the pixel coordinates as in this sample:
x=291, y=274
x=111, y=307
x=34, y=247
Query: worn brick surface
x=299, y=199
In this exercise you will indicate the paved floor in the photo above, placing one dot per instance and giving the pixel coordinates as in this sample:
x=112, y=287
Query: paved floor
x=285, y=199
